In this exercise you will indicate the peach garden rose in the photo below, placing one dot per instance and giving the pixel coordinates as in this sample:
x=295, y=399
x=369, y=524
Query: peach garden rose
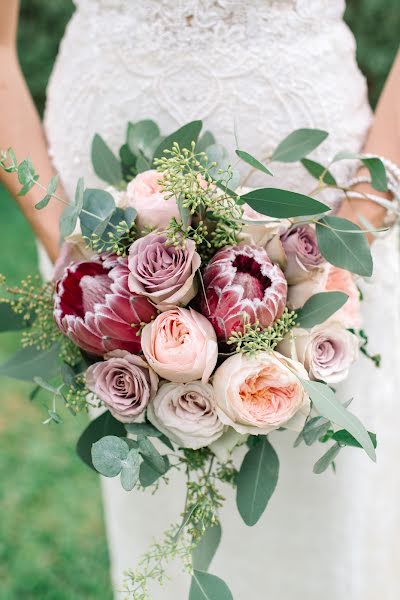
x=260, y=393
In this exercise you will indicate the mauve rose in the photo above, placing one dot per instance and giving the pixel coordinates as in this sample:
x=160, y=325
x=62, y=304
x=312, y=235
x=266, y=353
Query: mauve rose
x=94, y=308
x=302, y=253
x=124, y=382
x=144, y=193
x=260, y=393
x=163, y=272
x=327, y=351
x=186, y=413
x=181, y=345
x=241, y=281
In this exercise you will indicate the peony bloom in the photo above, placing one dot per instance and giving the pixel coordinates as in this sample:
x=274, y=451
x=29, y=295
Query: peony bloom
x=163, y=272
x=302, y=254
x=144, y=193
x=186, y=413
x=241, y=281
x=257, y=394
x=327, y=351
x=340, y=280
x=94, y=308
x=124, y=382
x=181, y=345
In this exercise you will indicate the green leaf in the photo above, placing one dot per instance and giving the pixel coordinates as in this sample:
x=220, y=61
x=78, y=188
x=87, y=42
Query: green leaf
x=99, y=203
x=52, y=185
x=206, y=140
x=344, y=245
x=319, y=308
x=208, y=587
x=26, y=173
x=140, y=137
x=106, y=165
x=68, y=220
x=374, y=165
x=148, y=475
x=146, y=429
x=253, y=162
x=142, y=164
x=315, y=428
x=151, y=454
x=30, y=362
x=344, y=437
x=184, y=136
x=283, y=203
x=100, y=427
x=43, y=203
x=204, y=551
x=327, y=459
x=109, y=455
x=326, y=403
x=257, y=480
x=298, y=144
x=9, y=320
x=130, y=470
x=317, y=170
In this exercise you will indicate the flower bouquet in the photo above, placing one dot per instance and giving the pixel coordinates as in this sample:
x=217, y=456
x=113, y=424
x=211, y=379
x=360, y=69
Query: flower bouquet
x=197, y=317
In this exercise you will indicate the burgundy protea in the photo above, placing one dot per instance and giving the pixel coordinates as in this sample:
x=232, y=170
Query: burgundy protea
x=95, y=309
x=239, y=281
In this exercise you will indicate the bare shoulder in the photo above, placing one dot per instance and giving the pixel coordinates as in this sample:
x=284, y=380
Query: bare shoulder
x=8, y=22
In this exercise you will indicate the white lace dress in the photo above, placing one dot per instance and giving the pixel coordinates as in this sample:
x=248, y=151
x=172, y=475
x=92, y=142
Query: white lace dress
x=256, y=69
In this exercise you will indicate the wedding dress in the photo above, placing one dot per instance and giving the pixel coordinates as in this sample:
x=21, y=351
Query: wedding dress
x=253, y=70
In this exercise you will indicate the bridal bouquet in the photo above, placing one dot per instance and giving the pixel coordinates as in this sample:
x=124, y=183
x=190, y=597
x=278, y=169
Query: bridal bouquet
x=198, y=316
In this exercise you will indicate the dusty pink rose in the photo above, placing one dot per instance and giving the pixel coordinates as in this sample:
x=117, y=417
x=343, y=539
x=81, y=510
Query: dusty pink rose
x=241, y=281
x=163, y=272
x=340, y=280
x=260, y=393
x=94, y=308
x=144, y=193
x=124, y=382
x=302, y=253
x=186, y=413
x=181, y=345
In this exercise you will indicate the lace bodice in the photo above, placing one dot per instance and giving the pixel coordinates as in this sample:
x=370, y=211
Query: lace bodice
x=254, y=69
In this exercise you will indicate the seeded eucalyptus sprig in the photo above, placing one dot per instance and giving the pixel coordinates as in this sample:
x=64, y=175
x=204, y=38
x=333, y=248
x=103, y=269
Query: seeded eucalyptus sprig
x=255, y=338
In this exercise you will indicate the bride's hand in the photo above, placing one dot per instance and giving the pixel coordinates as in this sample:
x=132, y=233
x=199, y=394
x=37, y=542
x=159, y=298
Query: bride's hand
x=20, y=128
x=384, y=140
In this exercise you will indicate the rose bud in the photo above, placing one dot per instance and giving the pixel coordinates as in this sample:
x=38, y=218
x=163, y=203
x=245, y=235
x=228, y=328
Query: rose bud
x=241, y=282
x=94, y=308
x=163, y=272
x=303, y=257
x=124, y=382
x=181, y=345
x=186, y=413
x=327, y=351
x=260, y=393
x=144, y=193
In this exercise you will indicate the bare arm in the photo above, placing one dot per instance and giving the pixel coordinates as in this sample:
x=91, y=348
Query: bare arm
x=383, y=139
x=20, y=128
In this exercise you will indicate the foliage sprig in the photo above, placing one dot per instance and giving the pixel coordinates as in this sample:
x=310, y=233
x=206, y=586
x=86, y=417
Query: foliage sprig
x=254, y=338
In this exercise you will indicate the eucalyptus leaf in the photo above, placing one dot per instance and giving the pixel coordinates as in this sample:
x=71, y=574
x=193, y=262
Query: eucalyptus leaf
x=68, y=220
x=151, y=454
x=205, y=586
x=28, y=363
x=315, y=428
x=205, y=141
x=43, y=203
x=106, y=165
x=344, y=437
x=148, y=475
x=298, y=144
x=109, y=454
x=374, y=165
x=184, y=136
x=317, y=170
x=146, y=429
x=257, y=480
x=103, y=425
x=142, y=164
x=319, y=308
x=326, y=403
x=253, y=162
x=344, y=245
x=140, y=137
x=282, y=204
x=327, y=459
x=130, y=470
x=204, y=551
x=99, y=203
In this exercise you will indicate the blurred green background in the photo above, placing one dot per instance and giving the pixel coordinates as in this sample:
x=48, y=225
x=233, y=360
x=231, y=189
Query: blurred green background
x=52, y=541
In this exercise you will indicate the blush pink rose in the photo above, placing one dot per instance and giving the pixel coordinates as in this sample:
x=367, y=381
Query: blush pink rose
x=162, y=272
x=181, y=346
x=124, y=382
x=260, y=393
x=340, y=280
x=144, y=193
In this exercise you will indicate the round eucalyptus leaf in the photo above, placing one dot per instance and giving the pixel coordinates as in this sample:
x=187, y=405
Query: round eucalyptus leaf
x=130, y=470
x=109, y=454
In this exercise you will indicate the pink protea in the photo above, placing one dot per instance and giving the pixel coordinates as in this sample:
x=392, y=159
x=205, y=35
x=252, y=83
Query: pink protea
x=95, y=309
x=240, y=281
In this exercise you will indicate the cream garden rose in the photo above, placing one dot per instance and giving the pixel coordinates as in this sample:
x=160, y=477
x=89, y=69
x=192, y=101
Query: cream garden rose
x=181, y=345
x=186, y=413
x=260, y=393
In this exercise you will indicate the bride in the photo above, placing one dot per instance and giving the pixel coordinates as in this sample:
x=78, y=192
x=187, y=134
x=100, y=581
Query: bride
x=254, y=69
